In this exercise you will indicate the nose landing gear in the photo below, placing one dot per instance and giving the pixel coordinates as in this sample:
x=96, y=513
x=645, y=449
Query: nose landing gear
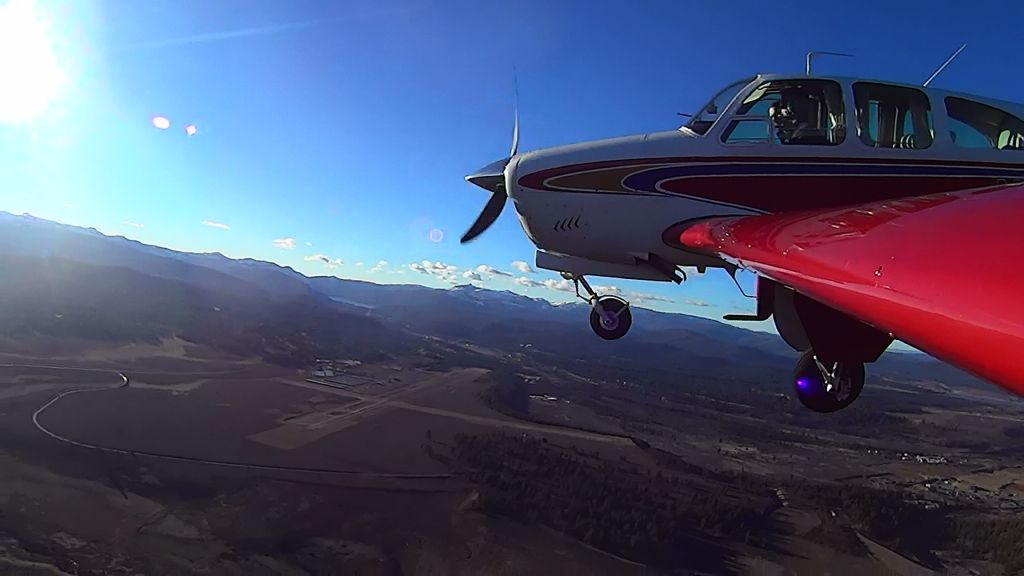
x=610, y=317
x=825, y=386
x=615, y=320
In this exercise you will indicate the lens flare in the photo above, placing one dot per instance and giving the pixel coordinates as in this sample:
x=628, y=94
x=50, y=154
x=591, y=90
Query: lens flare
x=161, y=122
x=436, y=235
x=31, y=72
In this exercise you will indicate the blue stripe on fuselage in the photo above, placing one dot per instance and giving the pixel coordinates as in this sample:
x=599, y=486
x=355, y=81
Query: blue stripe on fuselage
x=648, y=180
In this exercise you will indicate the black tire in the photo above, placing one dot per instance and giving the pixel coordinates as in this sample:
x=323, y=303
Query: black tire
x=624, y=320
x=809, y=384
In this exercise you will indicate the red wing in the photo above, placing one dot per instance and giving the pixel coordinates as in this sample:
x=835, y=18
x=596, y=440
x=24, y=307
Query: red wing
x=943, y=273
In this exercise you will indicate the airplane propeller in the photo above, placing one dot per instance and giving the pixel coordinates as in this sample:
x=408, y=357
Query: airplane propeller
x=492, y=178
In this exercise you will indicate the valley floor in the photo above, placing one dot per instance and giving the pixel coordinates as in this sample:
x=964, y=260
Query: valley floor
x=171, y=461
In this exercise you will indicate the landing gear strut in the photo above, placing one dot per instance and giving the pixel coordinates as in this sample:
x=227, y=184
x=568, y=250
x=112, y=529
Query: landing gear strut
x=825, y=386
x=610, y=317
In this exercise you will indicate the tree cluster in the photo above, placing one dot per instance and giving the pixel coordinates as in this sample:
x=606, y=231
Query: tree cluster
x=997, y=539
x=657, y=514
x=643, y=515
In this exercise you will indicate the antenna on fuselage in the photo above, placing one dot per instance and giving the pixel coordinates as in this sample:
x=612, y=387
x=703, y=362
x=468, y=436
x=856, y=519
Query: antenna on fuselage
x=812, y=55
x=943, y=67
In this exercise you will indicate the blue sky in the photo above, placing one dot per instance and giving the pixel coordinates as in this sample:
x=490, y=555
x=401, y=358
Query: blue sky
x=348, y=126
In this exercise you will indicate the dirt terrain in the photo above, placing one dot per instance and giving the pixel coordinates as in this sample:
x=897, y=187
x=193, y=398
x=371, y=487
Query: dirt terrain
x=168, y=474
x=229, y=466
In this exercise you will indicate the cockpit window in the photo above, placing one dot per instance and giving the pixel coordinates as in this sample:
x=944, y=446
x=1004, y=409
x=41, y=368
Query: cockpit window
x=703, y=120
x=976, y=125
x=893, y=116
x=803, y=112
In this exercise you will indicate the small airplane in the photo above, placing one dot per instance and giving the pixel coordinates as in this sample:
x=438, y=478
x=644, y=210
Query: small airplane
x=869, y=210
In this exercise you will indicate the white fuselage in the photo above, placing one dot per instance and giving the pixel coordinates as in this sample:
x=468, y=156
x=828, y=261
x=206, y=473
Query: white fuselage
x=608, y=225
x=615, y=201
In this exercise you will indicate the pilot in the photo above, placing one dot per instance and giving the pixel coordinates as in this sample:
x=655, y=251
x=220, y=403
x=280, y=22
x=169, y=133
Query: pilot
x=793, y=116
x=787, y=127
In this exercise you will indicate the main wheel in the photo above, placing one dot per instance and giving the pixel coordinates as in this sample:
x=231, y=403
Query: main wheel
x=823, y=394
x=618, y=321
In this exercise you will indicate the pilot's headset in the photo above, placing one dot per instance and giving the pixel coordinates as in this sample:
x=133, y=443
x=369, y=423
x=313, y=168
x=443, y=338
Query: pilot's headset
x=782, y=117
x=781, y=111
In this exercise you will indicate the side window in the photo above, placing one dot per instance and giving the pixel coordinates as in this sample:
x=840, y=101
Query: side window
x=892, y=116
x=790, y=112
x=967, y=136
x=749, y=131
x=976, y=125
x=872, y=121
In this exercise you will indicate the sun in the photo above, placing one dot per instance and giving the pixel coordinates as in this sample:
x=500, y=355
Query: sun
x=30, y=72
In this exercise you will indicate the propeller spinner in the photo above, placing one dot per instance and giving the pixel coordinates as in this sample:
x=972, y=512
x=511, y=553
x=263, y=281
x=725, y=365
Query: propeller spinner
x=492, y=178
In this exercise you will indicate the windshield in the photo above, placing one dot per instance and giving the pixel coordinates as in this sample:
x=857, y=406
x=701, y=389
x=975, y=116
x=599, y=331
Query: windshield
x=702, y=121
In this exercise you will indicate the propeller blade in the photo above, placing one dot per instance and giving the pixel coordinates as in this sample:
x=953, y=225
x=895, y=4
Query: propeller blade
x=515, y=129
x=492, y=177
x=487, y=217
x=515, y=135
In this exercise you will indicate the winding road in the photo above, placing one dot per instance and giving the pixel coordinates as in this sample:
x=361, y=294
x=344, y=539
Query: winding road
x=54, y=435
x=375, y=402
x=181, y=458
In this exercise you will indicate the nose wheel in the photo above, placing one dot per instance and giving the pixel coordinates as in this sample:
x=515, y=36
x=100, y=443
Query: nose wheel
x=825, y=386
x=610, y=317
x=615, y=320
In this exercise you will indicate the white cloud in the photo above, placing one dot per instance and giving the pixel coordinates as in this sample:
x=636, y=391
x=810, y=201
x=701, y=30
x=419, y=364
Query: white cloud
x=700, y=304
x=309, y=243
x=472, y=276
x=213, y=224
x=379, y=266
x=563, y=285
x=608, y=290
x=566, y=285
x=285, y=243
x=439, y=267
x=360, y=264
x=641, y=297
x=491, y=270
x=523, y=267
x=446, y=272
x=330, y=262
x=135, y=224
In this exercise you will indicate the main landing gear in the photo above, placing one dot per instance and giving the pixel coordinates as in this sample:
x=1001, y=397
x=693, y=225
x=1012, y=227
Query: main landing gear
x=825, y=386
x=830, y=373
x=610, y=317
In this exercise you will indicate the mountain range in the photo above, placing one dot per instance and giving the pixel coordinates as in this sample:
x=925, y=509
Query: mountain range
x=64, y=287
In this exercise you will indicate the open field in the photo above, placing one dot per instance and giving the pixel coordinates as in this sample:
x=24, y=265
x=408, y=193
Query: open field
x=165, y=503
x=244, y=468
